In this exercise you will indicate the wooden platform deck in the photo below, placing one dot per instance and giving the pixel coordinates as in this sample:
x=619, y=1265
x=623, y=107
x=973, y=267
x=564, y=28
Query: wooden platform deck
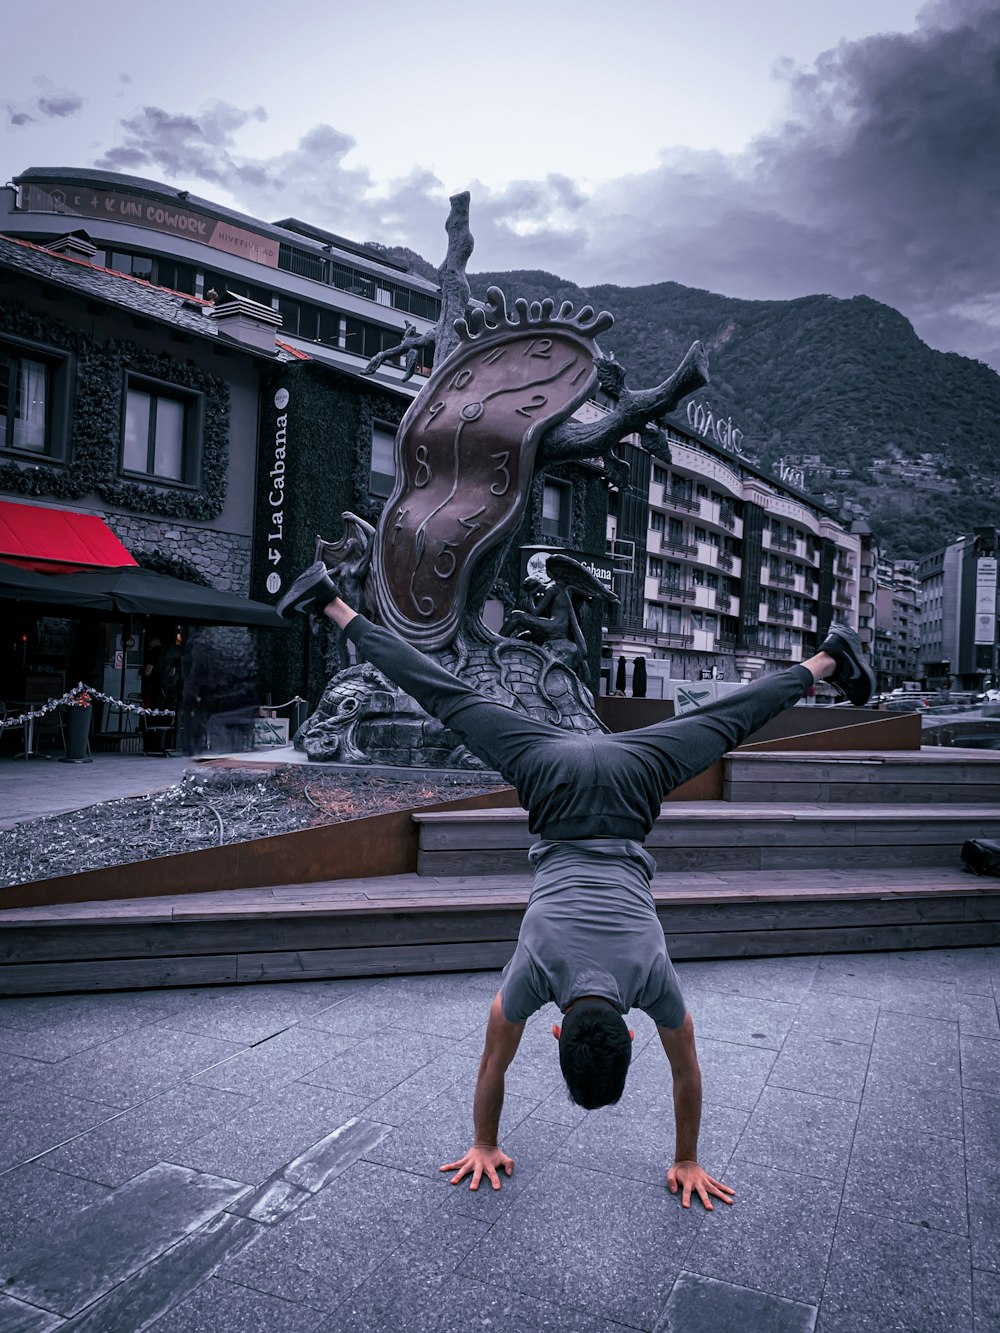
x=417, y=923
x=833, y=852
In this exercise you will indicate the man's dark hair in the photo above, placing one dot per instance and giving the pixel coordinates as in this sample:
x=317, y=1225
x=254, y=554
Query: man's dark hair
x=594, y=1053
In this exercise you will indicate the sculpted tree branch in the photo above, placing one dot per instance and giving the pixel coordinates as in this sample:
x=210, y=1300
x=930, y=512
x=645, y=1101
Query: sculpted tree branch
x=634, y=411
x=456, y=297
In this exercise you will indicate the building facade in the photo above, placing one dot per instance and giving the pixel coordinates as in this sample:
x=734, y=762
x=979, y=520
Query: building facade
x=897, y=657
x=722, y=570
x=958, y=613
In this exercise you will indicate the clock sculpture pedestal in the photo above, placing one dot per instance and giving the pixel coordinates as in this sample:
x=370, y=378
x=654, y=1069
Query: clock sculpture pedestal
x=363, y=718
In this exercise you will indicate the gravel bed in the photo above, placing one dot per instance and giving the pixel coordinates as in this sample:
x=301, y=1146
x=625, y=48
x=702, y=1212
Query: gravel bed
x=211, y=809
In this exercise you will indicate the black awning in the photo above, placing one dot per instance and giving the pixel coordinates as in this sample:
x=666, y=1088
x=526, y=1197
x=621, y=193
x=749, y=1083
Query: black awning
x=132, y=591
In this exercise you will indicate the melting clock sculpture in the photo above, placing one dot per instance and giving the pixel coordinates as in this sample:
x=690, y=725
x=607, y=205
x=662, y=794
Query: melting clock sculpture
x=495, y=411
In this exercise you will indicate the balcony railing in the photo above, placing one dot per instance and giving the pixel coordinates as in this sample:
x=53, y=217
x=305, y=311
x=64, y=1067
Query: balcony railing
x=727, y=518
x=845, y=602
x=681, y=547
x=775, y=614
x=725, y=560
x=727, y=641
x=783, y=543
x=723, y=601
x=845, y=570
x=662, y=636
x=672, y=592
x=674, y=501
x=786, y=580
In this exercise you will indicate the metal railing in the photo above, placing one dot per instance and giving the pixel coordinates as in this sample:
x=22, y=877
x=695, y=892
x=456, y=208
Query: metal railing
x=673, y=592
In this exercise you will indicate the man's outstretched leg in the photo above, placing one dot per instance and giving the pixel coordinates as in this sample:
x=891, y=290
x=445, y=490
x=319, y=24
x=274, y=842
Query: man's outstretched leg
x=503, y=737
x=683, y=747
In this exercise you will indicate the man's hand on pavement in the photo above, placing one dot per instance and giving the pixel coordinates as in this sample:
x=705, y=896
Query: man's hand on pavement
x=480, y=1161
x=690, y=1176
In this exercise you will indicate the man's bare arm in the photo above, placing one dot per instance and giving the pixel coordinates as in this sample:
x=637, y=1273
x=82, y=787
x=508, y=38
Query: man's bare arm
x=484, y=1157
x=686, y=1173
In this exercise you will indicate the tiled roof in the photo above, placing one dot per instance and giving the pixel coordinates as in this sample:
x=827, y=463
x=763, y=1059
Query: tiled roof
x=136, y=295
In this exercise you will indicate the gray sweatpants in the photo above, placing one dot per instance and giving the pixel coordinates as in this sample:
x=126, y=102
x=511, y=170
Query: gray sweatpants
x=581, y=786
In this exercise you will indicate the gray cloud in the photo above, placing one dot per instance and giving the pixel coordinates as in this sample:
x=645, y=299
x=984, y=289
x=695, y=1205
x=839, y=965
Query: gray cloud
x=881, y=177
x=56, y=107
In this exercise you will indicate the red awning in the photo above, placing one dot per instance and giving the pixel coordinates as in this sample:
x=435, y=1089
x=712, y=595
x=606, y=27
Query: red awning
x=55, y=541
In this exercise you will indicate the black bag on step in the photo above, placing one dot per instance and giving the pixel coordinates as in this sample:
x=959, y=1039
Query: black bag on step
x=981, y=856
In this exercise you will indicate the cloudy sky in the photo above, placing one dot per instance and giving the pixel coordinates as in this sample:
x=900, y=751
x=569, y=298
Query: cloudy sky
x=760, y=148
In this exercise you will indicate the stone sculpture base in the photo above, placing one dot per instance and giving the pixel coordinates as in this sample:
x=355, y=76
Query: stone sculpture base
x=363, y=718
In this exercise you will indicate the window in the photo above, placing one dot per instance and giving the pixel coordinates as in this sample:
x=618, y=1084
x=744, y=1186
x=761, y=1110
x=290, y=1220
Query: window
x=162, y=432
x=656, y=522
x=655, y=567
x=383, y=469
x=660, y=475
x=701, y=535
x=24, y=399
x=555, y=509
x=34, y=417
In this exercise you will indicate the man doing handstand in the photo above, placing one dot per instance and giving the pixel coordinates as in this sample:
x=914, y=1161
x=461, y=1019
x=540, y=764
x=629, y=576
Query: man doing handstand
x=590, y=939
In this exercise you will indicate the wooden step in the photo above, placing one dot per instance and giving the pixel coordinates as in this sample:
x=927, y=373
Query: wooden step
x=931, y=775
x=410, y=923
x=714, y=836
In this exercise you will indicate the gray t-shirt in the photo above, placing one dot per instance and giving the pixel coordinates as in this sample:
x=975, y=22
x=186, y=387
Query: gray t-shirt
x=590, y=928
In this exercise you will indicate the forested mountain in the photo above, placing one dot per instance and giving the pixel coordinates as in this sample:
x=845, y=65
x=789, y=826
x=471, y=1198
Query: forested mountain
x=847, y=380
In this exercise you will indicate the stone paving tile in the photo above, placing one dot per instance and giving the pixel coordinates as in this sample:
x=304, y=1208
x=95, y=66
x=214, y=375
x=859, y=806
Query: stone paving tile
x=829, y=1066
x=218, y=1306
x=985, y=1301
x=635, y=1138
x=335, y=1241
x=134, y=1067
x=704, y=1305
x=555, y=1240
x=798, y=1131
x=916, y=1177
x=374, y=1065
x=258, y=1141
x=888, y=1275
x=776, y=1238
x=785, y=979
x=973, y=972
x=256, y=1012
x=859, y=974
x=36, y=1120
x=151, y=1132
x=934, y=964
x=980, y=1063
x=414, y=1302
x=913, y=1100
x=429, y=1004
x=731, y=1074
x=984, y=1213
x=453, y=1070
x=977, y=1015
x=441, y=1132
x=32, y=1196
x=274, y=1062
x=915, y=1041
x=920, y=995
x=92, y=1251
x=844, y=1017
x=739, y=1018
x=16, y=1317
x=982, y=1125
x=532, y=1146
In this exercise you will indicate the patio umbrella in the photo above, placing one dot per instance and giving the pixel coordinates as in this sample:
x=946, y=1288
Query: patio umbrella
x=639, y=681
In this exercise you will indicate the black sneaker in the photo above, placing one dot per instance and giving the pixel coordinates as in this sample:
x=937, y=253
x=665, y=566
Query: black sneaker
x=853, y=674
x=311, y=591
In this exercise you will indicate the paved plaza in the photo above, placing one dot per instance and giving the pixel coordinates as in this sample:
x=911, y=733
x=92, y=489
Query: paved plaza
x=266, y=1158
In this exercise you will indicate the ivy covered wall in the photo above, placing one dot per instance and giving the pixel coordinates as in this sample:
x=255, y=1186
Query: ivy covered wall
x=98, y=397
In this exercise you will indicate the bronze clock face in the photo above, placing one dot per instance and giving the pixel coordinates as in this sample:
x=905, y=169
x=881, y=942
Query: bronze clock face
x=464, y=459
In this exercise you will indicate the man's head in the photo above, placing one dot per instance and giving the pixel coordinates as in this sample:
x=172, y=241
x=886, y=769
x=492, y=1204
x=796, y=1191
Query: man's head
x=595, y=1048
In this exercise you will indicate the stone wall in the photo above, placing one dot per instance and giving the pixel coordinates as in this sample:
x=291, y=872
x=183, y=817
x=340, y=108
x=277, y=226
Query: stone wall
x=223, y=558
